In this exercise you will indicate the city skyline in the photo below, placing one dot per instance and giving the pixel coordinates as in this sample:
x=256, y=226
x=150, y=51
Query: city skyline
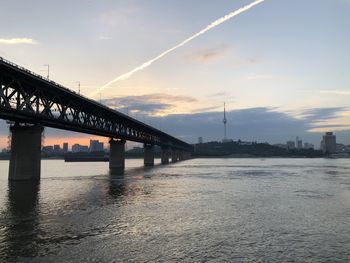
x=275, y=69
x=93, y=145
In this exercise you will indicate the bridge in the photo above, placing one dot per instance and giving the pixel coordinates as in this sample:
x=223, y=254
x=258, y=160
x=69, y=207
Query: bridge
x=33, y=102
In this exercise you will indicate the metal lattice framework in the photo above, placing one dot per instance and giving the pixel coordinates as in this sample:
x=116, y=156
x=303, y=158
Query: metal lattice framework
x=29, y=98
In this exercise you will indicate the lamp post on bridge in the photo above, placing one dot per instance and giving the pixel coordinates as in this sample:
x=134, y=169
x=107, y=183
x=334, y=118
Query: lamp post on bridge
x=48, y=70
x=78, y=86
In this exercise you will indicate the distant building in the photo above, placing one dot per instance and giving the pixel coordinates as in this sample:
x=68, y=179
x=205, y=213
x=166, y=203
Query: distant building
x=5, y=150
x=96, y=146
x=77, y=148
x=298, y=143
x=200, y=140
x=347, y=148
x=329, y=143
x=322, y=145
x=84, y=148
x=57, y=148
x=340, y=148
x=136, y=151
x=47, y=149
x=290, y=145
x=308, y=146
x=283, y=146
x=65, y=147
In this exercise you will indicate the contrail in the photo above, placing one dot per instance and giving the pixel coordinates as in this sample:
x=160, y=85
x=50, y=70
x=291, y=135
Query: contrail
x=204, y=30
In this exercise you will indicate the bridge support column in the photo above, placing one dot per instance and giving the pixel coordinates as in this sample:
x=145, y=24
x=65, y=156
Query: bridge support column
x=181, y=155
x=165, y=155
x=117, y=155
x=174, y=156
x=25, y=158
x=148, y=155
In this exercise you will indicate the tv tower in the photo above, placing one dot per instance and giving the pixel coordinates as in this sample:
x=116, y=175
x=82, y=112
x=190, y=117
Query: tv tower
x=224, y=121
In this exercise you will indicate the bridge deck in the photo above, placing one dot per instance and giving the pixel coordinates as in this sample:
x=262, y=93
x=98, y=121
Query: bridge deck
x=29, y=98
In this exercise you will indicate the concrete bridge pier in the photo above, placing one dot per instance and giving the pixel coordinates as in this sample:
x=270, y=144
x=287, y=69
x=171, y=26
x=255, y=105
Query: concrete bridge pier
x=181, y=155
x=187, y=155
x=148, y=154
x=174, y=156
x=117, y=155
x=165, y=155
x=25, y=158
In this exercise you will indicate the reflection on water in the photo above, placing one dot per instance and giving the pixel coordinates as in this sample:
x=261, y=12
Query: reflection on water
x=199, y=210
x=21, y=231
x=116, y=185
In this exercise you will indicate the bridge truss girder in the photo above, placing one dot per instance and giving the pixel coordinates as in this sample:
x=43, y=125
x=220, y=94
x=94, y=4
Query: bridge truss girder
x=28, y=98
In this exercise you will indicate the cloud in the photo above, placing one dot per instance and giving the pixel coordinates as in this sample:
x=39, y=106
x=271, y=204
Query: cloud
x=336, y=92
x=219, y=94
x=206, y=109
x=260, y=124
x=248, y=124
x=322, y=114
x=270, y=124
x=17, y=41
x=208, y=55
x=329, y=92
x=324, y=126
x=150, y=104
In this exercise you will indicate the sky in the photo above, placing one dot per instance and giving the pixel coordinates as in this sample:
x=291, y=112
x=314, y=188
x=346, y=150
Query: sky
x=282, y=67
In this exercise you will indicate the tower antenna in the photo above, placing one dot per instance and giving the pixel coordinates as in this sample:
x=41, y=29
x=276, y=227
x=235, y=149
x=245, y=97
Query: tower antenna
x=224, y=121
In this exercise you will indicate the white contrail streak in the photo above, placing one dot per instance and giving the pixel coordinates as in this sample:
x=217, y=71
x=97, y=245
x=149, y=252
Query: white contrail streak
x=207, y=28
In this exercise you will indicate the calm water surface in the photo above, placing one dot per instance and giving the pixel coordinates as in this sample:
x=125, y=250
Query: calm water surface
x=202, y=210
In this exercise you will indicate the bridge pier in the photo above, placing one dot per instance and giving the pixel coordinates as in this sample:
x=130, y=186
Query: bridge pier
x=25, y=158
x=165, y=155
x=187, y=155
x=148, y=154
x=181, y=155
x=174, y=156
x=117, y=155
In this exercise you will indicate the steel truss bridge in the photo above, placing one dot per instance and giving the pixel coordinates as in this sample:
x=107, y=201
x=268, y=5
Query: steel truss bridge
x=26, y=97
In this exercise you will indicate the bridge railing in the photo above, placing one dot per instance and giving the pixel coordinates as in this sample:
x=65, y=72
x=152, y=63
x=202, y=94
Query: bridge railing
x=40, y=76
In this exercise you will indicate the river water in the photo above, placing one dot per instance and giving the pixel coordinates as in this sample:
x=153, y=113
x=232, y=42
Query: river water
x=200, y=210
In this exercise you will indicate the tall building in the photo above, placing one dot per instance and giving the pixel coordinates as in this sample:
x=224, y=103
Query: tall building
x=329, y=143
x=308, y=145
x=96, y=146
x=47, y=149
x=65, y=147
x=57, y=148
x=77, y=148
x=298, y=143
x=200, y=140
x=290, y=145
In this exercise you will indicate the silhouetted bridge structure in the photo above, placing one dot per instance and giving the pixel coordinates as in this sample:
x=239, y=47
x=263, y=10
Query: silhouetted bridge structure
x=32, y=102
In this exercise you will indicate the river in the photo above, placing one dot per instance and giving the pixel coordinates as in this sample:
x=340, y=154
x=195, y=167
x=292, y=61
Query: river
x=200, y=210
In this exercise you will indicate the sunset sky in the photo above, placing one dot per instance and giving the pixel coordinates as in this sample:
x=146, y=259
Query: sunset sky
x=283, y=67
